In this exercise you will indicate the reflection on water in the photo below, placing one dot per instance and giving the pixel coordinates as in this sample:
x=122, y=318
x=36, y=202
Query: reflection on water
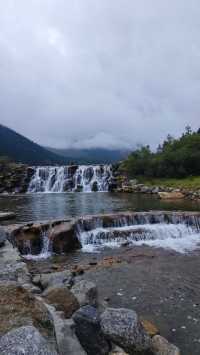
x=32, y=207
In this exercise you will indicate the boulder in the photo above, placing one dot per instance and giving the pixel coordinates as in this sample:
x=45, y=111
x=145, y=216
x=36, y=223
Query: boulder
x=63, y=238
x=160, y=346
x=85, y=292
x=3, y=236
x=122, y=327
x=88, y=331
x=53, y=279
x=170, y=195
x=63, y=300
x=66, y=338
x=25, y=340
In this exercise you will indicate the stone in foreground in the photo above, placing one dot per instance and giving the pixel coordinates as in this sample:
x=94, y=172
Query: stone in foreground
x=88, y=331
x=63, y=300
x=122, y=327
x=26, y=341
x=52, y=279
x=85, y=292
x=160, y=346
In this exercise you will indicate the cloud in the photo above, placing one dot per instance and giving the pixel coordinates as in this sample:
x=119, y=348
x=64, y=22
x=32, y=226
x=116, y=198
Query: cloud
x=121, y=72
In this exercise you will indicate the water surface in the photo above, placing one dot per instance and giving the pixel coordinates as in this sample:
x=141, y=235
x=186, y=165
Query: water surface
x=39, y=207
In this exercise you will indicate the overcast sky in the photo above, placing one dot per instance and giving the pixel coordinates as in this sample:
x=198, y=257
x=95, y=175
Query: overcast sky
x=110, y=73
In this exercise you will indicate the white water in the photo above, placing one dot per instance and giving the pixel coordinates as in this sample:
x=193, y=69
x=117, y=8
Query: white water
x=178, y=237
x=83, y=178
x=45, y=252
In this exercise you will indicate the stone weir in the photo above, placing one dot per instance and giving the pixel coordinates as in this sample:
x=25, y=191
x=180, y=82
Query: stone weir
x=108, y=230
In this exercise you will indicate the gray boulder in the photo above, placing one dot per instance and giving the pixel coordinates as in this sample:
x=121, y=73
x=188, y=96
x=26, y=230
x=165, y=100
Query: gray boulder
x=85, y=292
x=25, y=341
x=54, y=279
x=160, y=346
x=122, y=327
x=3, y=236
x=88, y=331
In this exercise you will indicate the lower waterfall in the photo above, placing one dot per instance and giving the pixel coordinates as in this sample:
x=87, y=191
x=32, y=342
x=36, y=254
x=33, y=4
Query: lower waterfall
x=77, y=178
x=177, y=237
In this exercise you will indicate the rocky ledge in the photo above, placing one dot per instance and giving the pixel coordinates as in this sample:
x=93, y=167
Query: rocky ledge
x=14, y=178
x=63, y=236
x=59, y=313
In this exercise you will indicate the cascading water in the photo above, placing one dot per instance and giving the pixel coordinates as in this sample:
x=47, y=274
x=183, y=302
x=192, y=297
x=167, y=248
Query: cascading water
x=178, y=235
x=85, y=178
x=46, y=251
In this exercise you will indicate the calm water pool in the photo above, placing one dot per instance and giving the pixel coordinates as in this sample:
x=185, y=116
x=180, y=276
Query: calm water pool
x=33, y=207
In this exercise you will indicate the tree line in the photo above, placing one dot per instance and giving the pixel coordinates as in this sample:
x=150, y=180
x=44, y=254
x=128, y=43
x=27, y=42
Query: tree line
x=174, y=158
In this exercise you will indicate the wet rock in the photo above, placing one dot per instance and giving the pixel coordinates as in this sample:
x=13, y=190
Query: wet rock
x=149, y=327
x=54, y=279
x=88, y=331
x=3, y=236
x=85, y=292
x=26, y=341
x=95, y=186
x=63, y=300
x=122, y=327
x=160, y=346
x=4, y=216
x=63, y=238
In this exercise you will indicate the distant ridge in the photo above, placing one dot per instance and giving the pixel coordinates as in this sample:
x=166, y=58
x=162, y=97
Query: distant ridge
x=93, y=155
x=20, y=149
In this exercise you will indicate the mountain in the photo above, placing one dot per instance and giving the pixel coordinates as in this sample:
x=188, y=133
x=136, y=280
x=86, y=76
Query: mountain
x=92, y=155
x=20, y=149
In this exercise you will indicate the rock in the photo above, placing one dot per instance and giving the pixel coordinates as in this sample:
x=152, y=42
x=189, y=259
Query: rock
x=3, y=236
x=85, y=292
x=26, y=341
x=18, y=307
x=117, y=351
x=66, y=339
x=7, y=215
x=160, y=346
x=63, y=238
x=122, y=327
x=170, y=195
x=88, y=331
x=95, y=186
x=155, y=190
x=63, y=300
x=149, y=327
x=54, y=279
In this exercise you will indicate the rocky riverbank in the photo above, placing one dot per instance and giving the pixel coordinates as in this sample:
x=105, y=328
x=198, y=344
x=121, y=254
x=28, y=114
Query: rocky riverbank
x=61, y=313
x=14, y=178
x=160, y=191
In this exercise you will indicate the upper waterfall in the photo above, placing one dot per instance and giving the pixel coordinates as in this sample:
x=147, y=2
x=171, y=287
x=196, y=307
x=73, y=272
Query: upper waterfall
x=72, y=178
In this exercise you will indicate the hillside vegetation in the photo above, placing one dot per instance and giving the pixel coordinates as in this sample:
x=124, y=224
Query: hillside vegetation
x=20, y=149
x=175, y=158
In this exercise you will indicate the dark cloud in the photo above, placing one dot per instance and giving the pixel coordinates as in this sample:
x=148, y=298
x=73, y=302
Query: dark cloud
x=90, y=73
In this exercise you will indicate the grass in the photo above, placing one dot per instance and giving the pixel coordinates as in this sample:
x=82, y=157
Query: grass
x=189, y=183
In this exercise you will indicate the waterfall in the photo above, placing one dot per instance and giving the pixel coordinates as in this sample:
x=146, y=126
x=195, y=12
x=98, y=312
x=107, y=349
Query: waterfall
x=85, y=178
x=166, y=231
x=46, y=250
